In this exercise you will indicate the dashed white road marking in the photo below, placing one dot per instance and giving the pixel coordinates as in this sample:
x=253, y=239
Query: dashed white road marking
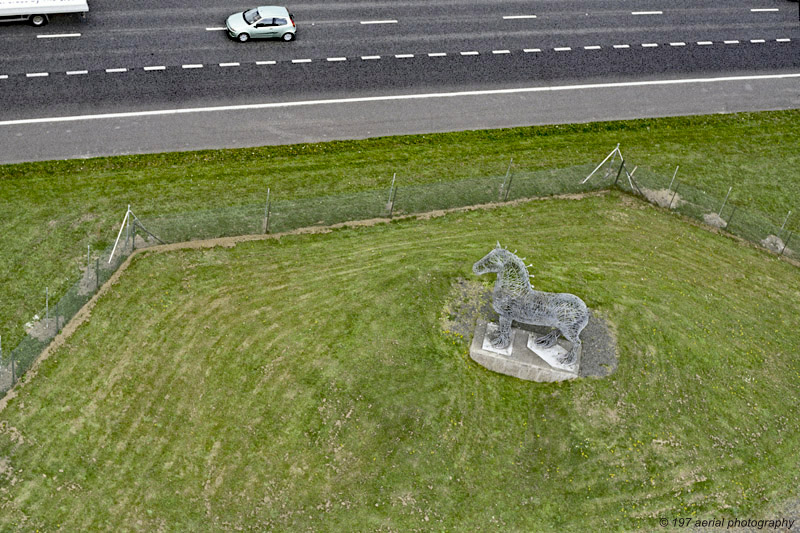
x=384, y=98
x=337, y=59
x=705, y=43
x=647, y=12
x=593, y=47
x=731, y=42
x=619, y=46
x=3, y=76
x=531, y=50
x=229, y=64
x=113, y=70
x=76, y=72
x=437, y=54
x=496, y=52
x=649, y=45
x=757, y=41
x=37, y=74
x=403, y=56
x=378, y=22
x=365, y=58
x=194, y=65
x=470, y=53
x=156, y=67
x=764, y=9
x=512, y=17
x=301, y=61
x=783, y=40
x=266, y=62
x=57, y=35
x=677, y=44
x=222, y=28
x=562, y=49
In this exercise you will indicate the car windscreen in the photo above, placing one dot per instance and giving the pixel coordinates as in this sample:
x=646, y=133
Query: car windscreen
x=251, y=16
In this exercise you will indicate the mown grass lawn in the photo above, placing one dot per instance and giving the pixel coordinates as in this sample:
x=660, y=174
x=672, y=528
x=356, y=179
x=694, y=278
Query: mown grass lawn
x=52, y=210
x=306, y=383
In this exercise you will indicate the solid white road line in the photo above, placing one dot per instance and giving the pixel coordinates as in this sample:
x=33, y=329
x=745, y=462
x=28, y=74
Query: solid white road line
x=57, y=35
x=647, y=12
x=192, y=66
x=337, y=59
x=76, y=72
x=301, y=61
x=378, y=22
x=512, y=17
x=764, y=9
x=113, y=70
x=37, y=75
x=424, y=96
x=156, y=67
x=266, y=62
x=470, y=53
x=229, y=64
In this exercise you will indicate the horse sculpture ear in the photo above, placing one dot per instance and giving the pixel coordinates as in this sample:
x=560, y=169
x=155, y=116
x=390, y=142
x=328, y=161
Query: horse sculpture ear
x=498, y=245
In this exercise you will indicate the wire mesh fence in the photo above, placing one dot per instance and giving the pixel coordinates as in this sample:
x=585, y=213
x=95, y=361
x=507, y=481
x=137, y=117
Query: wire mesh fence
x=277, y=215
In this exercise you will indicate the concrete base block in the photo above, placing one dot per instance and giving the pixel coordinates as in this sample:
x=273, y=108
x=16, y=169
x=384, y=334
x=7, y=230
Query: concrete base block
x=517, y=360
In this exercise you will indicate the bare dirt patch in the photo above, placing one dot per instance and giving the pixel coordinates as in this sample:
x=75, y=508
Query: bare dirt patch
x=44, y=329
x=663, y=198
x=713, y=219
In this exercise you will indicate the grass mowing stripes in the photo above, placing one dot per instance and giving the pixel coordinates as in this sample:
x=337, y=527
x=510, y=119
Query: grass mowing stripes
x=52, y=210
x=306, y=383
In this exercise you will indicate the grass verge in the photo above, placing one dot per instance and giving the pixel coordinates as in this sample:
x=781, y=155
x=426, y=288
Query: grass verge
x=306, y=383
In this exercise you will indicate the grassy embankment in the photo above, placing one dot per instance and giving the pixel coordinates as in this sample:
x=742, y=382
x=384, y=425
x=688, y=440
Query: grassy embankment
x=52, y=210
x=307, y=384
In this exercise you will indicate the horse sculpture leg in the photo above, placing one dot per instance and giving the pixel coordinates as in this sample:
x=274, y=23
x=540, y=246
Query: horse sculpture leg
x=549, y=340
x=571, y=357
x=502, y=338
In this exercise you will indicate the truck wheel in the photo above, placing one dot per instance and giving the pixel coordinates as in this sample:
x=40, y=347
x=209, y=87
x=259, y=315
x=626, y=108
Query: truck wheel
x=38, y=20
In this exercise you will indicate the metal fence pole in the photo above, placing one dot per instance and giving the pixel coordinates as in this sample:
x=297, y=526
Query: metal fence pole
x=391, y=188
x=673, y=178
x=724, y=201
x=728, y=223
x=266, y=212
x=47, y=304
x=674, y=194
x=785, y=220
x=621, y=166
x=88, y=258
x=786, y=243
x=391, y=206
x=506, y=184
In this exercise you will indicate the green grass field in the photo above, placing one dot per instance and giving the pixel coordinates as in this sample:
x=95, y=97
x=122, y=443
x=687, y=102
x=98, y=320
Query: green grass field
x=52, y=210
x=306, y=383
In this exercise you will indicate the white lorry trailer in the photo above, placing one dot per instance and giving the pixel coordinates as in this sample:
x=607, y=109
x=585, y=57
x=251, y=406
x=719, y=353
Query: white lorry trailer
x=37, y=12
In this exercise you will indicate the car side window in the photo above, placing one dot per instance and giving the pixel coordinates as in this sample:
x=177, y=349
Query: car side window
x=280, y=22
x=265, y=22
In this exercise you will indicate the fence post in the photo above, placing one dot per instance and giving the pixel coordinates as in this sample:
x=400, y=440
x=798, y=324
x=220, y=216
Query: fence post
x=391, y=205
x=58, y=318
x=391, y=188
x=724, y=202
x=728, y=223
x=786, y=243
x=97, y=273
x=266, y=213
x=47, y=304
x=675, y=193
x=673, y=178
x=621, y=166
x=506, y=183
x=127, y=227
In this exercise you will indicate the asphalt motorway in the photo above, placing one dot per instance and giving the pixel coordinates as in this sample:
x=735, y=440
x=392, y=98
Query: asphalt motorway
x=354, y=73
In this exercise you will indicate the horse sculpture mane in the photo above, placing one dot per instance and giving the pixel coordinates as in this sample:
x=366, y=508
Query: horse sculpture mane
x=514, y=298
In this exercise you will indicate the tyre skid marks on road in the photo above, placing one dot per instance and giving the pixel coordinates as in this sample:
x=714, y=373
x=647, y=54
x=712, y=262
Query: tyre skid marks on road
x=466, y=53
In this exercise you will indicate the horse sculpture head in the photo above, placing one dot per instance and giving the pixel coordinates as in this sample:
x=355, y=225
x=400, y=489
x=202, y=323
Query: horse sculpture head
x=492, y=262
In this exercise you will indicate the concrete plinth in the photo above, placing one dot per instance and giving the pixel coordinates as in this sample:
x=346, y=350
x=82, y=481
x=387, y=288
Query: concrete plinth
x=518, y=360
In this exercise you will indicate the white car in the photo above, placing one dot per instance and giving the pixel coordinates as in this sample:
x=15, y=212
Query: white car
x=265, y=22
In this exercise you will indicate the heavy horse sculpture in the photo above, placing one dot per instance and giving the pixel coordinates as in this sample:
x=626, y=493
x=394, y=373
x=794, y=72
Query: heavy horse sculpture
x=515, y=299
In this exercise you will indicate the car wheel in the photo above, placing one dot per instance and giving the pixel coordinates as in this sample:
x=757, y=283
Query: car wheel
x=243, y=37
x=288, y=37
x=38, y=20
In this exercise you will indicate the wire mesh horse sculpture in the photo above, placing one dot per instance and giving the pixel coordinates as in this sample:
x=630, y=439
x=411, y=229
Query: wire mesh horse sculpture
x=514, y=299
